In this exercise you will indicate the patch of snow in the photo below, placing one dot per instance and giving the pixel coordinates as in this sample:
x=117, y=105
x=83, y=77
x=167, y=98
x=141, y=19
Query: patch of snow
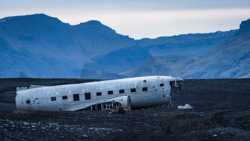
x=184, y=107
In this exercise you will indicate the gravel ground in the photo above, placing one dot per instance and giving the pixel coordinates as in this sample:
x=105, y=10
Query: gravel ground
x=147, y=124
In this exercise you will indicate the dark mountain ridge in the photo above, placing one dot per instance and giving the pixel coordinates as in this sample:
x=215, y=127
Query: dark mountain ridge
x=39, y=42
x=245, y=26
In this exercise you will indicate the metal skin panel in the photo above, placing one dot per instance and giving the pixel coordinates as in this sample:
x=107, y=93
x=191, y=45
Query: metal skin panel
x=40, y=98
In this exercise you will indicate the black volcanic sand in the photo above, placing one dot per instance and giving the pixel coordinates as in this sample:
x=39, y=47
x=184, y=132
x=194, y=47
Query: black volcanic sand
x=221, y=112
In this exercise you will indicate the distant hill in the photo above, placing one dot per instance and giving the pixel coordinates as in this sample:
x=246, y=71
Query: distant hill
x=169, y=57
x=42, y=46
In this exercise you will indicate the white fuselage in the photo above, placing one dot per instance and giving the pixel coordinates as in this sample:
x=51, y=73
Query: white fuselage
x=142, y=91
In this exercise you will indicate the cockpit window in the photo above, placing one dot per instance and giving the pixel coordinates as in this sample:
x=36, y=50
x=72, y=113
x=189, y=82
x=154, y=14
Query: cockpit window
x=161, y=84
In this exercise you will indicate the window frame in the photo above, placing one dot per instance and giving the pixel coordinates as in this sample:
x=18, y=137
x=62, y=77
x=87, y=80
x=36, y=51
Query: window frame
x=76, y=97
x=132, y=90
x=65, y=97
x=121, y=91
x=53, y=98
x=87, y=95
x=145, y=89
x=110, y=92
x=98, y=93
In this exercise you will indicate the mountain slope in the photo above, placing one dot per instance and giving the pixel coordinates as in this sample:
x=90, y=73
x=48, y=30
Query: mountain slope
x=229, y=59
x=120, y=60
x=43, y=46
x=232, y=59
x=166, y=58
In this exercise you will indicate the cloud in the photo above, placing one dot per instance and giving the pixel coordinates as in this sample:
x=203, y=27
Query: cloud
x=122, y=4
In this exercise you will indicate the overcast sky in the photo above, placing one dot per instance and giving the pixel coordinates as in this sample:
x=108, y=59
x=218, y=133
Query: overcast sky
x=140, y=18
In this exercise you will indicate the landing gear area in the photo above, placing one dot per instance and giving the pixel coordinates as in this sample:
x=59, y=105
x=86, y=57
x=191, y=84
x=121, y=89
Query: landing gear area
x=116, y=105
x=108, y=107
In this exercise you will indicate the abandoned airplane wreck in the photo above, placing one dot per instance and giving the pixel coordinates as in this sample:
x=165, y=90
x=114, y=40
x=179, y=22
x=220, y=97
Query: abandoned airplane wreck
x=109, y=95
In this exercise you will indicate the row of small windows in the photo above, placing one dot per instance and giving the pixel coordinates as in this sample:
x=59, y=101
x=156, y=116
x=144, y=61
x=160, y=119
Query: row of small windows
x=76, y=97
x=87, y=95
x=122, y=91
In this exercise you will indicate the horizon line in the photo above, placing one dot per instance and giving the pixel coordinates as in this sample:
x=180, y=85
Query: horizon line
x=110, y=26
